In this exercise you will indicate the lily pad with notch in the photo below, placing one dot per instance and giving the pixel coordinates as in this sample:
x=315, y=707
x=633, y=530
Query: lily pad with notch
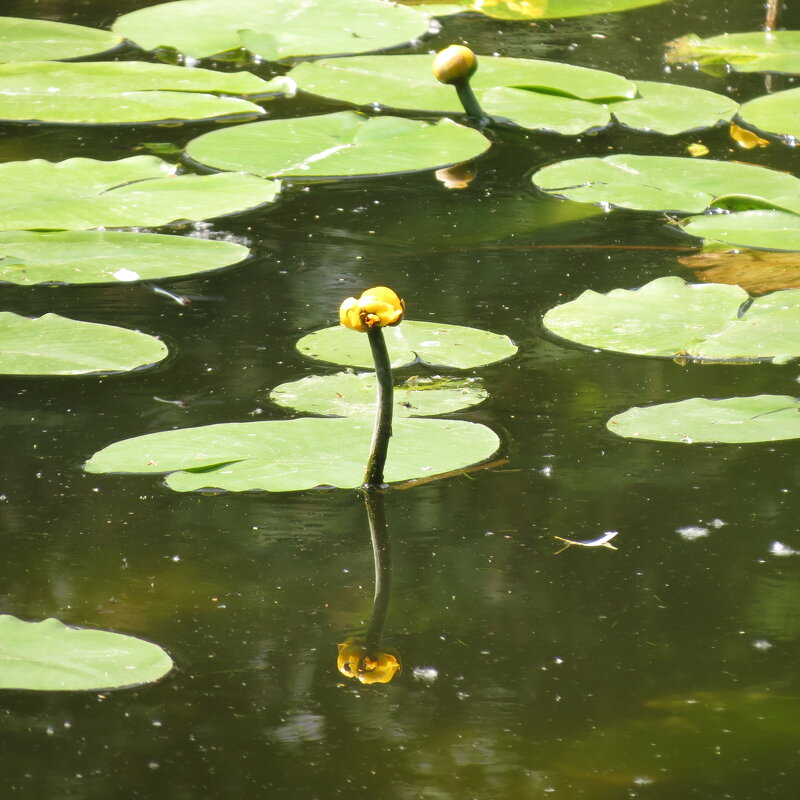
x=45, y=40
x=295, y=455
x=412, y=342
x=50, y=656
x=732, y=420
x=55, y=345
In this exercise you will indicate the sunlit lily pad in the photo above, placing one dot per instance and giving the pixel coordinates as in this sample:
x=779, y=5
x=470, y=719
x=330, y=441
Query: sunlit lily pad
x=28, y=257
x=83, y=193
x=668, y=317
x=529, y=9
x=757, y=51
x=337, y=145
x=44, y=40
x=51, y=656
x=756, y=271
x=665, y=183
x=350, y=394
x=292, y=455
x=275, y=30
x=117, y=92
x=777, y=113
x=770, y=230
x=54, y=345
x=424, y=342
x=763, y=418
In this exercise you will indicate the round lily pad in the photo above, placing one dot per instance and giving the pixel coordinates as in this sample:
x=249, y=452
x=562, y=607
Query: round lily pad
x=668, y=318
x=275, y=30
x=123, y=92
x=350, y=394
x=411, y=342
x=83, y=193
x=767, y=229
x=51, y=656
x=54, y=345
x=292, y=455
x=665, y=183
x=529, y=9
x=29, y=257
x=345, y=144
x=733, y=420
x=42, y=39
x=777, y=113
x=756, y=51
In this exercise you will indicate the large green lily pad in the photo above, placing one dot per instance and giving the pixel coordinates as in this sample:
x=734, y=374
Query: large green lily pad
x=275, y=30
x=734, y=420
x=760, y=230
x=54, y=345
x=424, y=342
x=665, y=183
x=529, y=9
x=668, y=317
x=345, y=144
x=82, y=193
x=350, y=394
x=757, y=51
x=28, y=257
x=44, y=40
x=50, y=656
x=122, y=92
x=292, y=455
x=777, y=113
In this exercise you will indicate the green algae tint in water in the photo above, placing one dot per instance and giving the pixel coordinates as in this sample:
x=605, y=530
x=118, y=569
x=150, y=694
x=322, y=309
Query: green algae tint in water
x=663, y=669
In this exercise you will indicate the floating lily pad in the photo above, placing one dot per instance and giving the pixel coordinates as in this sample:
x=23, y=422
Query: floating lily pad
x=28, y=258
x=668, y=317
x=733, y=420
x=756, y=271
x=529, y=9
x=337, y=145
x=758, y=51
x=275, y=30
x=43, y=40
x=51, y=656
x=768, y=230
x=777, y=113
x=83, y=193
x=347, y=394
x=292, y=455
x=424, y=342
x=54, y=345
x=121, y=92
x=664, y=183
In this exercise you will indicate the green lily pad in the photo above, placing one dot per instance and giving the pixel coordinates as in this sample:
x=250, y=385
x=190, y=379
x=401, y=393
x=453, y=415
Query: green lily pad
x=759, y=230
x=50, y=656
x=665, y=183
x=777, y=113
x=758, y=51
x=292, y=455
x=411, y=342
x=668, y=317
x=43, y=40
x=337, y=145
x=733, y=420
x=83, y=193
x=407, y=82
x=54, y=345
x=28, y=257
x=123, y=92
x=348, y=394
x=529, y=9
x=275, y=30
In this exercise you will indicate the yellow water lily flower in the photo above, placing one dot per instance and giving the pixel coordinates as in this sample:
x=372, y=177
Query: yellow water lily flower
x=376, y=308
x=454, y=64
x=354, y=661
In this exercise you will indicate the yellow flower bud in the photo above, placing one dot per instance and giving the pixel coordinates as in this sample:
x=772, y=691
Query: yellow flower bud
x=376, y=308
x=354, y=662
x=454, y=64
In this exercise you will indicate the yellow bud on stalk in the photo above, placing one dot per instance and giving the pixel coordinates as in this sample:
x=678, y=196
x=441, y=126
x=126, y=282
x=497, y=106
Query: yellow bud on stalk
x=454, y=63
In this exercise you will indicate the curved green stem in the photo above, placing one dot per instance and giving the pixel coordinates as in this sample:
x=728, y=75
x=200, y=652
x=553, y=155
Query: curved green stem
x=470, y=102
x=383, y=413
x=379, y=534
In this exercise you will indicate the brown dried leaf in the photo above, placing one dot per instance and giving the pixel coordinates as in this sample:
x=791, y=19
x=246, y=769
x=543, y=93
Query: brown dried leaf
x=756, y=271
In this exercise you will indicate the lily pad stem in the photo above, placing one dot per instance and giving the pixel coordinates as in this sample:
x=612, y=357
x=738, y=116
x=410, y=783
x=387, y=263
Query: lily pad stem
x=470, y=102
x=384, y=407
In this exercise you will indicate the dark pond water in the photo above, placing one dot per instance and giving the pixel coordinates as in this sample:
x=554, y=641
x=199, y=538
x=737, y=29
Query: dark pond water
x=666, y=669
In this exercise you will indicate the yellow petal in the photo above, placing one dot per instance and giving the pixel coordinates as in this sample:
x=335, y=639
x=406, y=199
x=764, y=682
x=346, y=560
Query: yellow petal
x=350, y=315
x=455, y=63
x=746, y=139
x=380, y=306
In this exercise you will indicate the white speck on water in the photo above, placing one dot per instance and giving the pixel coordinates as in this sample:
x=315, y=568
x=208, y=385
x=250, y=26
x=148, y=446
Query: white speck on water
x=546, y=471
x=781, y=549
x=717, y=523
x=425, y=674
x=692, y=532
x=762, y=644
